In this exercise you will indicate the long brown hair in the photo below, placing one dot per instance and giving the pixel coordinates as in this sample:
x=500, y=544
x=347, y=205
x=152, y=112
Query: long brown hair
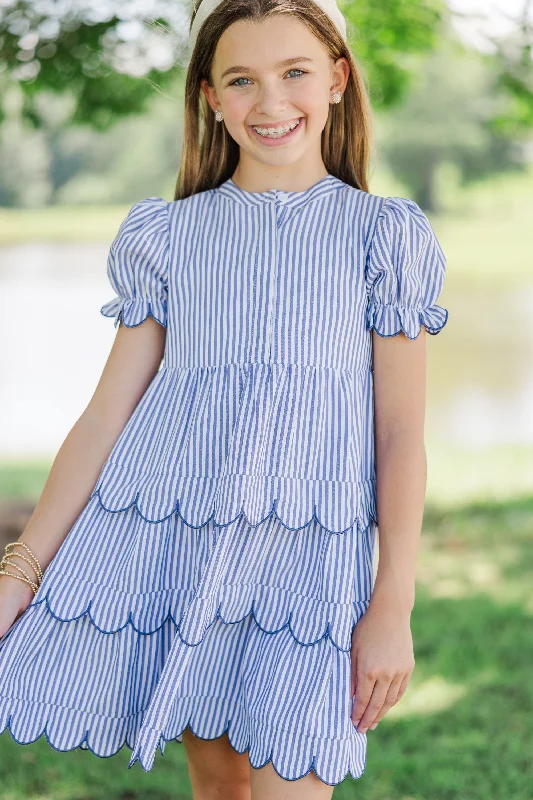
x=210, y=155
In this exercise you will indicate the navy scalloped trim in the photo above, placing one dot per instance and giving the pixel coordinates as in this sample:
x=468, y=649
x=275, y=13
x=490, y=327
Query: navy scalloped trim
x=60, y=749
x=287, y=624
x=115, y=309
x=372, y=518
x=227, y=730
x=422, y=320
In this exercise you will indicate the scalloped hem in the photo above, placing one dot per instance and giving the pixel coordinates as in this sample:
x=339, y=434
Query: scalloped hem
x=345, y=505
x=134, y=312
x=337, y=627
x=353, y=762
x=318, y=763
x=83, y=743
x=361, y=524
x=390, y=320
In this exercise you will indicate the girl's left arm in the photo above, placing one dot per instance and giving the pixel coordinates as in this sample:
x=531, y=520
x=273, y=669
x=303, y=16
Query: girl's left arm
x=382, y=646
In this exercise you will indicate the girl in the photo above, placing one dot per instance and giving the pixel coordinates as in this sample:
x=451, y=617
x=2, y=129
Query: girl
x=199, y=566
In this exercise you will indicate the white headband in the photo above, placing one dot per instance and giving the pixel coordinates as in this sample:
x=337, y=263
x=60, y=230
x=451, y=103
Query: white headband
x=208, y=6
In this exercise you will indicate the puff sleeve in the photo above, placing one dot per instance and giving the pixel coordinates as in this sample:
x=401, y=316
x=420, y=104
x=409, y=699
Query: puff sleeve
x=405, y=272
x=137, y=265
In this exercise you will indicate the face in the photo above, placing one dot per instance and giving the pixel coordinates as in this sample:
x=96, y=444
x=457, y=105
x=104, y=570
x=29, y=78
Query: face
x=274, y=74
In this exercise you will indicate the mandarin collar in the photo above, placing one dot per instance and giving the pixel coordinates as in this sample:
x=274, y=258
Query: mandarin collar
x=325, y=186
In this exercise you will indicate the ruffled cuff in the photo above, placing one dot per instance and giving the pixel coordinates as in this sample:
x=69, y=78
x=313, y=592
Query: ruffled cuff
x=136, y=310
x=389, y=320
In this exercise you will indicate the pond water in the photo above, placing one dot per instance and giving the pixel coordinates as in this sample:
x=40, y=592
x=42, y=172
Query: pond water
x=55, y=343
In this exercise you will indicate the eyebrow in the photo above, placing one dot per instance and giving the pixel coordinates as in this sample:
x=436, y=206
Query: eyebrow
x=286, y=63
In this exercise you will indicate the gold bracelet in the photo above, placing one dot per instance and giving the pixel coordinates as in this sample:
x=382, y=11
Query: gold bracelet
x=34, y=560
x=6, y=563
x=7, y=556
x=31, y=554
x=19, y=578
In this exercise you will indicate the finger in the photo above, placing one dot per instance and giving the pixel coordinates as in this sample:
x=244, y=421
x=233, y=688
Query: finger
x=363, y=693
x=390, y=700
x=374, y=706
x=403, y=686
x=353, y=681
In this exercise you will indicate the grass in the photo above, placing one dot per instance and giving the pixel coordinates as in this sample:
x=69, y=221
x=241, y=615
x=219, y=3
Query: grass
x=60, y=224
x=458, y=475
x=487, y=237
x=485, y=231
x=463, y=728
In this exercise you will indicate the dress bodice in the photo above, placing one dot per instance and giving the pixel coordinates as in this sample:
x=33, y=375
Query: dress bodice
x=264, y=400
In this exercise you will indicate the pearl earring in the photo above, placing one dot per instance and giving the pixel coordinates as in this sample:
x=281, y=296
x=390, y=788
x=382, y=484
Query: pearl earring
x=336, y=97
x=219, y=116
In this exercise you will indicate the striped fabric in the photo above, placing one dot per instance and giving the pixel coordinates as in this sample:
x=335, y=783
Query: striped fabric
x=264, y=400
x=228, y=544
x=260, y=617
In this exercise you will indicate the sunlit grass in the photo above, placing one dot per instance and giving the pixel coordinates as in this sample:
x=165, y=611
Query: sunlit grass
x=486, y=231
x=481, y=549
x=61, y=224
x=458, y=474
x=464, y=726
x=427, y=697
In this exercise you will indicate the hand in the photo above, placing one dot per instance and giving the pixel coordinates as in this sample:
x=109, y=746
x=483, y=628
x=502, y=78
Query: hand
x=15, y=597
x=382, y=661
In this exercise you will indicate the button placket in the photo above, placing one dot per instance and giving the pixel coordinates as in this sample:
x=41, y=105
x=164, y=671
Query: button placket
x=278, y=212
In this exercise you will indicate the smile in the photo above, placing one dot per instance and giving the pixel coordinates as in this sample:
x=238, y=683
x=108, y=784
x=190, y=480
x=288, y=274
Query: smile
x=276, y=133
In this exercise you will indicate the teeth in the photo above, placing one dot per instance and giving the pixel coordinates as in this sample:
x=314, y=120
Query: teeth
x=275, y=132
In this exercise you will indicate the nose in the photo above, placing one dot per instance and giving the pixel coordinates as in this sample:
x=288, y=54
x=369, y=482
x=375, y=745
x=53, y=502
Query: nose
x=271, y=100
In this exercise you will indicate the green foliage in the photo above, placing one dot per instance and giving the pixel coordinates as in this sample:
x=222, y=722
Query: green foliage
x=78, y=57
x=71, y=48
x=386, y=33
x=53, y=48
x=514, y=60
x=520, y=115
x=448, y=118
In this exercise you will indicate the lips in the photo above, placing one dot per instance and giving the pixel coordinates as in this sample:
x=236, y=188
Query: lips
x=283, y=140
x=277, y=131
x=276, y=124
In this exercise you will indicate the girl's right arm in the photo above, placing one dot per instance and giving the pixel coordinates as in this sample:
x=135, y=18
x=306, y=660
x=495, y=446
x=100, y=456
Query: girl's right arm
x=131, y=366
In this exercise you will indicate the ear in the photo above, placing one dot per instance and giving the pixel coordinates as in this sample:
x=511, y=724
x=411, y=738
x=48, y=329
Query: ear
x=340, y=72
x=210, y=94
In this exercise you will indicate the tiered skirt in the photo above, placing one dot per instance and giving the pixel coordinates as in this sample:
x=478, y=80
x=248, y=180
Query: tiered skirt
x=140, y=629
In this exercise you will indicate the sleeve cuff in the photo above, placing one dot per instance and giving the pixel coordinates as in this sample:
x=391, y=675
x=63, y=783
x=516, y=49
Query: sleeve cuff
x=136, y=310
x=390, y=320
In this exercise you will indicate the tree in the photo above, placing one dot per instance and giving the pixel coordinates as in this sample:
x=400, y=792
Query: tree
x=108, y=55
x=386, y=35
x=450, y=116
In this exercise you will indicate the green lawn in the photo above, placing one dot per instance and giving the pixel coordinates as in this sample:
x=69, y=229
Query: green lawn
x=487, y=237
x=465, y=725
x=463, y=730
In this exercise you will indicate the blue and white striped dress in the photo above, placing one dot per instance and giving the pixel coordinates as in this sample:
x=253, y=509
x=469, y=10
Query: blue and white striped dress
x=226, y=553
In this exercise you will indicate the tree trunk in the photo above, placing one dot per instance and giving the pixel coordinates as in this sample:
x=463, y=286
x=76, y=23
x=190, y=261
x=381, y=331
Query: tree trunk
x=427, y=197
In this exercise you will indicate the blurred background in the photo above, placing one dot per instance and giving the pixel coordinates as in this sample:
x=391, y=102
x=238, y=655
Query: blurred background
x=91, y=122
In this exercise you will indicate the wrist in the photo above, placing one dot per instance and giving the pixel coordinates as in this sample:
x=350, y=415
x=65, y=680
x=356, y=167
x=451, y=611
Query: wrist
x=392, y=599
x=10, y=587
x=19, y=563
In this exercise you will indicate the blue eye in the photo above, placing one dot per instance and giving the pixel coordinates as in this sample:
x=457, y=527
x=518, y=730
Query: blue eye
x=236, y=82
